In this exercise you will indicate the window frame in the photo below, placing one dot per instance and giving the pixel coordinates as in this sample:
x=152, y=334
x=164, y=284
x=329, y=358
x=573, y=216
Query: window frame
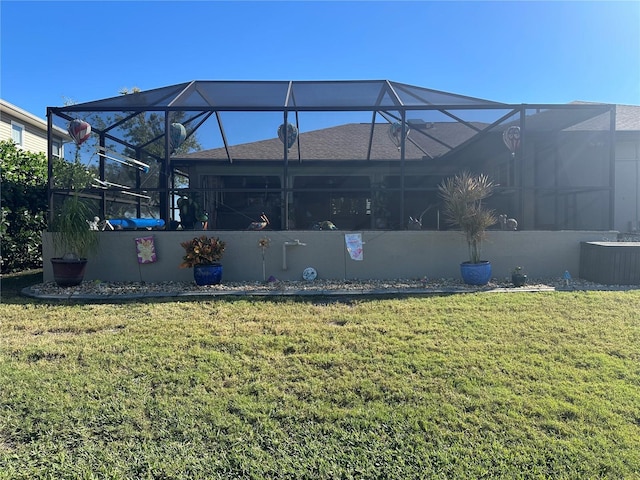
x=57, y=143
x=17, y=127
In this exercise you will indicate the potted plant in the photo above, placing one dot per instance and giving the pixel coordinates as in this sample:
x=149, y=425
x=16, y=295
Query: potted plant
x=518, y=278
x=192, y=217
x=464, y=197
x=74, y=240
x=203, y=254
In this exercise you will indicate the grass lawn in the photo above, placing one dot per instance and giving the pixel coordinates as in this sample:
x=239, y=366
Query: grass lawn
x=516, y=385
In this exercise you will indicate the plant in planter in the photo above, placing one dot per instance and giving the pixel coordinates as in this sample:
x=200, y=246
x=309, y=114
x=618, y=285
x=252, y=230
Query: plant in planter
x=74, y=239
x=191, y=214
x=463, y=197
x=518, y=278
x=203, y=254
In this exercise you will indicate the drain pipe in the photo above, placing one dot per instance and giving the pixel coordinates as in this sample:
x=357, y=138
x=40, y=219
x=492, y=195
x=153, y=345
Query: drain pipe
x=295, y=243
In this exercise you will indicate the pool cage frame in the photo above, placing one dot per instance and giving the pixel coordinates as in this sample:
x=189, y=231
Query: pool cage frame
x=392, y=102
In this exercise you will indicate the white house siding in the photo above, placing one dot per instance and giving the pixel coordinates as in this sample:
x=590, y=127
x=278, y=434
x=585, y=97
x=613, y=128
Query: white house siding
x=35, y=129
x=5, y=127
x=35, y=140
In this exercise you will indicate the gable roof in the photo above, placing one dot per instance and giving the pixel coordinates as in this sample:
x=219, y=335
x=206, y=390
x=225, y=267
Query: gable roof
x=627, y=118
x=349, y=142
x=426, y=139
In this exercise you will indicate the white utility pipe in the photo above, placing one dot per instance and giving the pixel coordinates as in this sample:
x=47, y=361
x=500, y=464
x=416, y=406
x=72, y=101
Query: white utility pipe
x=295, y=243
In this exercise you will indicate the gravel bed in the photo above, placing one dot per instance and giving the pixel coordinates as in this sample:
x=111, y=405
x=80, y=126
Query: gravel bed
x=100, y=289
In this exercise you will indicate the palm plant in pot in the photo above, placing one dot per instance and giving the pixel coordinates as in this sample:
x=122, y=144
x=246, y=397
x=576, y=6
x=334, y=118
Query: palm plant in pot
x=73, y=239
x=463, y=196
x=203, y=254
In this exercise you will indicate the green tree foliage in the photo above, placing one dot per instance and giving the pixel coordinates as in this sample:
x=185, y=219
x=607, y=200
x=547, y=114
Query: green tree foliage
x=144, y=129
x=72, y=175
x=23, y=207
x=147, y=129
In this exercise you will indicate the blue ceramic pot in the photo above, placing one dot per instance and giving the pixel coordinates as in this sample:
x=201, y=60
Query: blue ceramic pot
x=207, y=274
x=476, y=273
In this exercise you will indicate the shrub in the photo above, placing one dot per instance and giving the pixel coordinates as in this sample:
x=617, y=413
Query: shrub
x=24, y=204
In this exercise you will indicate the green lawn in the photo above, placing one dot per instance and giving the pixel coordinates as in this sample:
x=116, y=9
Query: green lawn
x=517, y=385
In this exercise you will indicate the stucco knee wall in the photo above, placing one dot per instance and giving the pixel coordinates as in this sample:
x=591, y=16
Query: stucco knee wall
x=387, y=254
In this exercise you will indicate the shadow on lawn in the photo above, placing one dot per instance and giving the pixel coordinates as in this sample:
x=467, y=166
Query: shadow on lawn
x=12, y=284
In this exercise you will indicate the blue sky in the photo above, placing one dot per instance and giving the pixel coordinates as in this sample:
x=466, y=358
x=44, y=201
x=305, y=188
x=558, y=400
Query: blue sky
x=513, y=52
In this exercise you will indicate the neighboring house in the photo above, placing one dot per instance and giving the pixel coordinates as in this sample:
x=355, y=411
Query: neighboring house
x=28, y=131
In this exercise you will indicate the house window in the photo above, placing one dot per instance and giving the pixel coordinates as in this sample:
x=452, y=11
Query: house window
x=56, y=148
x=17, y=133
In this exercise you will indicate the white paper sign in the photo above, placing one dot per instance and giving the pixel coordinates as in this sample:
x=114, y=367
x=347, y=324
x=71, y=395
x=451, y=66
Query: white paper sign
x=354, y=245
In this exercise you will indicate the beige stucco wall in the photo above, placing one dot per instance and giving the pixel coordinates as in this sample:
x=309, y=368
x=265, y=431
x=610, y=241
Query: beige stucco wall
x=387, y=255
